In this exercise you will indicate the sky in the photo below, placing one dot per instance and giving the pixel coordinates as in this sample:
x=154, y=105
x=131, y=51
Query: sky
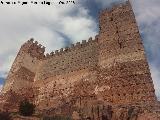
x=58, y=26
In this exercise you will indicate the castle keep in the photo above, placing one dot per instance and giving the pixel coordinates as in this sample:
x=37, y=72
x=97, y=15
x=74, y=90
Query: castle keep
x=110, y=69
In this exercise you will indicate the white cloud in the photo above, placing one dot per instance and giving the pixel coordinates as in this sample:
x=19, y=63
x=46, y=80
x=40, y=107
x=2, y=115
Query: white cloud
x=45, y=24
x=108, y=3
x=80, y=23
x=147, y=11
x=148, y=15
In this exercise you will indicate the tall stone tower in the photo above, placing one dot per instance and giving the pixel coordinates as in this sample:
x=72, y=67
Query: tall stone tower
x=122, y=58
x=19, y=82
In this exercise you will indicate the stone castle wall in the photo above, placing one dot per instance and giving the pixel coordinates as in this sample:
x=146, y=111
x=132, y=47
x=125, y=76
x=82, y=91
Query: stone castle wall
x=111, y=68
x=78, y=57
x=122, y=61
x=25, y=64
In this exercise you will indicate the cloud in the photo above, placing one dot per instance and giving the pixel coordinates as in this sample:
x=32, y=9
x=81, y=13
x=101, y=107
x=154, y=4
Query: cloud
x=147, y=16
x=156, y=79
x=109, y=3
x=47, y=24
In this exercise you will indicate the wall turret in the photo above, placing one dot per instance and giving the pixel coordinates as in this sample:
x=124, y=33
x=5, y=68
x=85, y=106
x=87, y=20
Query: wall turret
x=72, y=47
x=23, y=70
x=33, y=48
x=122, y=58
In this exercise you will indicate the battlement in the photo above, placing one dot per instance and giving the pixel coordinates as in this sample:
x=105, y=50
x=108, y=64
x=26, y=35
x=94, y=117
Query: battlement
x=36, y=44
x=123, y=5
x=110, y=17
x=72, y=47
x=33, y=48
x=37, y=50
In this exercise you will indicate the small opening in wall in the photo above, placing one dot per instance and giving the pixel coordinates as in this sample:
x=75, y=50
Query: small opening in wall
x=117, y=31
x=100, y=29
x=46, y=104
x=111, y=19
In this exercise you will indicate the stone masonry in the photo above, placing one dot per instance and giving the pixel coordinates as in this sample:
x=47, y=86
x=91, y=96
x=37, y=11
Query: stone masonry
x=98, y=79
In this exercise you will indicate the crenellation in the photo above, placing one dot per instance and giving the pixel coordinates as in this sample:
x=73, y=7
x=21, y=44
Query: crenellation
x=47, y=55
x=35, y=42
x=78, y=44
x=72, y=47
x=84, y=42
x=61, y=50
x=90, y=39
x=40, y=45
x=96, y=38
x=56, y=52
x=32, y=48
x=30, y=41
x=66, y=49
x=42, y=49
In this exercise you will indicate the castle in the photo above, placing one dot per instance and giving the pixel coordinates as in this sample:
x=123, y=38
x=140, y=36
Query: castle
x=110, y=69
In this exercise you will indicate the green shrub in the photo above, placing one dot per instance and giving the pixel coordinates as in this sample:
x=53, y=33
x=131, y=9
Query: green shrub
x=5, y=116
x=26, y=108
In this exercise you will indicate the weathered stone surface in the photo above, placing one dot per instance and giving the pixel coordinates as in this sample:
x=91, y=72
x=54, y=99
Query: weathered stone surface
x=75, y=116
x=107, y=78
x=149, y=116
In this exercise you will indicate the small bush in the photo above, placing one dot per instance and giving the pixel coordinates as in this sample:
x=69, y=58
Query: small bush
x=26, y=108
x=5, y=116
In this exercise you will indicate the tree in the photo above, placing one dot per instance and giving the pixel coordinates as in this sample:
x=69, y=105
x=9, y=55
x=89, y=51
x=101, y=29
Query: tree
x=26, y=108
